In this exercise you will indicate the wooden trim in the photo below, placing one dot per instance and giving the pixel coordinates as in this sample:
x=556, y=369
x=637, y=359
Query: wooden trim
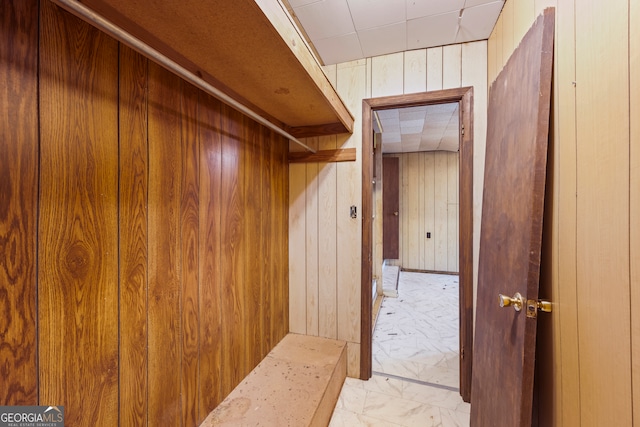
x=318, y=130
x=465, y=265
x=464, y=96
x=324, y=156
x=366, y=309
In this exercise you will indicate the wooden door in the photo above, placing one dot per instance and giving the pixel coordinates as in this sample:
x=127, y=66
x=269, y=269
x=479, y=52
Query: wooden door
x=390, y=207
x=511, y=231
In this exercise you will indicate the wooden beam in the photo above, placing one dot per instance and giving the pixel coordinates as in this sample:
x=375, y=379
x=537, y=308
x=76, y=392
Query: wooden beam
x=324, y=156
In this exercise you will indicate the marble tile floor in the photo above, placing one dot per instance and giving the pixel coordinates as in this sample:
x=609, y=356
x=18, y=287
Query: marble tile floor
x=415, y=361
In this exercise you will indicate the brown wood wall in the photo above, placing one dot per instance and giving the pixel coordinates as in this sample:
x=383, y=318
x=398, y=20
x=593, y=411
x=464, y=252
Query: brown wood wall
x=143, y=231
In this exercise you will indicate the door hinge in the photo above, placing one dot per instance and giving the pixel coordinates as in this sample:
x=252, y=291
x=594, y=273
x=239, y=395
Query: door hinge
x=462, y=130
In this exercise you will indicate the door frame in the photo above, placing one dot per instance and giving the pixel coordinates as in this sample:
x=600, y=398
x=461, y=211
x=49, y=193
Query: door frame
x=464, y=96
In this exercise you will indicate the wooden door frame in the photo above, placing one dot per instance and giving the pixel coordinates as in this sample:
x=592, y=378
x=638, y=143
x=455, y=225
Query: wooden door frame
x=464, y=96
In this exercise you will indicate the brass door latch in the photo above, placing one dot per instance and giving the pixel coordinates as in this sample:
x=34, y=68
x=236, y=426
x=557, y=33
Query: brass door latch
x=533, y=306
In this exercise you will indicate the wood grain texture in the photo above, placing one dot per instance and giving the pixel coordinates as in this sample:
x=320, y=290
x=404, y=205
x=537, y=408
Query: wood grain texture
x=189, y=262
x=387, y=74
x=164, y=317
x=78, y=244
x=565, y=287
x=234, y=358
x=467, y=212
x=210, y=226
x=415, y=71
x=133, y=222
x=311, y=244
x=602, y=112
x=340, y=155
x=238, y=32
x=451, y=66
x=327, y=243
x=297, y=264
x=19, y=206
x=434, y=68
x=253, y=273
x=512, y=215
x=634, y=202
x=430, y=180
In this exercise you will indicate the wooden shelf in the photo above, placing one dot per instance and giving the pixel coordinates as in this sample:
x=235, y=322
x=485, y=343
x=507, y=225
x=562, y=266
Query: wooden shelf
x=249, y=49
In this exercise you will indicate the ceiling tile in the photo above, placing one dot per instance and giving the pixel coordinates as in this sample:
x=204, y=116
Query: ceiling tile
x=390, y=137
x=383, y=40
x=335, y=50
x=432, y=31
x=326, y=18
x=477, y=22
x=375, y=13
x=421, y=8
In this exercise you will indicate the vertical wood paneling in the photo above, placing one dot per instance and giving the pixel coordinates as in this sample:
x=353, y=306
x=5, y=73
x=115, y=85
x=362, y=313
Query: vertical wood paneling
x=189, y=262
x=164, y=321
x=412, y=207
x=373, y=77
x=252, y=243
x=491, y=53
x=634, y=208
x=422, y=207
x=233, y=293
x=451, y=66
x=311, y=243
x=327, y=243
x=78, y=244
x=297, y=245
x=603, y=192
x=508, y=18
x=210, y=303
x=440, y=208
x=474, y=66
x=430, y=180
x=434, y=68
x=430, y=210
x=351, y=81
x=565, y=287
x=130, y=317
x=452, y=213
x=387, y=75
x=523, y=17
x=19, y=206
x=497, y=34
x=415, y=71
x=134, y=168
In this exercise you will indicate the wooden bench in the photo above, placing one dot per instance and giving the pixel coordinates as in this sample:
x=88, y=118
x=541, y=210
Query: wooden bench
x=296, y=384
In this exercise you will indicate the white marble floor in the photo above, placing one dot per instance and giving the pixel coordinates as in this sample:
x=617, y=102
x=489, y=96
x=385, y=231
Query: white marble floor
x=415, y=361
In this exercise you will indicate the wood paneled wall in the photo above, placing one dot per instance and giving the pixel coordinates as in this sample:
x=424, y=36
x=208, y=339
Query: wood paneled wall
x=325, y=243
x=429, y=203
x=588, y=356
x=158, y=220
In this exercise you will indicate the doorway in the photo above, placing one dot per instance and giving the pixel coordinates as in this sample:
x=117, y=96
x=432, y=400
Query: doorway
x=464, y=97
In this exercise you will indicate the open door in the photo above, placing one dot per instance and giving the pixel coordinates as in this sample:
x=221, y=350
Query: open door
x=511, y=233
x=390, y=208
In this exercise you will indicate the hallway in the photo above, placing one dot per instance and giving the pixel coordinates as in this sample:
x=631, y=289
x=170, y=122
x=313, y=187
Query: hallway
x=415, y=361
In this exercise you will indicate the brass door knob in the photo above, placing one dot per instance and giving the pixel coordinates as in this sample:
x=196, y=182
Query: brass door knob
x=516, y=301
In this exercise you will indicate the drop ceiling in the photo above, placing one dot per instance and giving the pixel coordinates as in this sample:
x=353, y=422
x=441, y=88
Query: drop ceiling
x=345, y=30
x=420, y=128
